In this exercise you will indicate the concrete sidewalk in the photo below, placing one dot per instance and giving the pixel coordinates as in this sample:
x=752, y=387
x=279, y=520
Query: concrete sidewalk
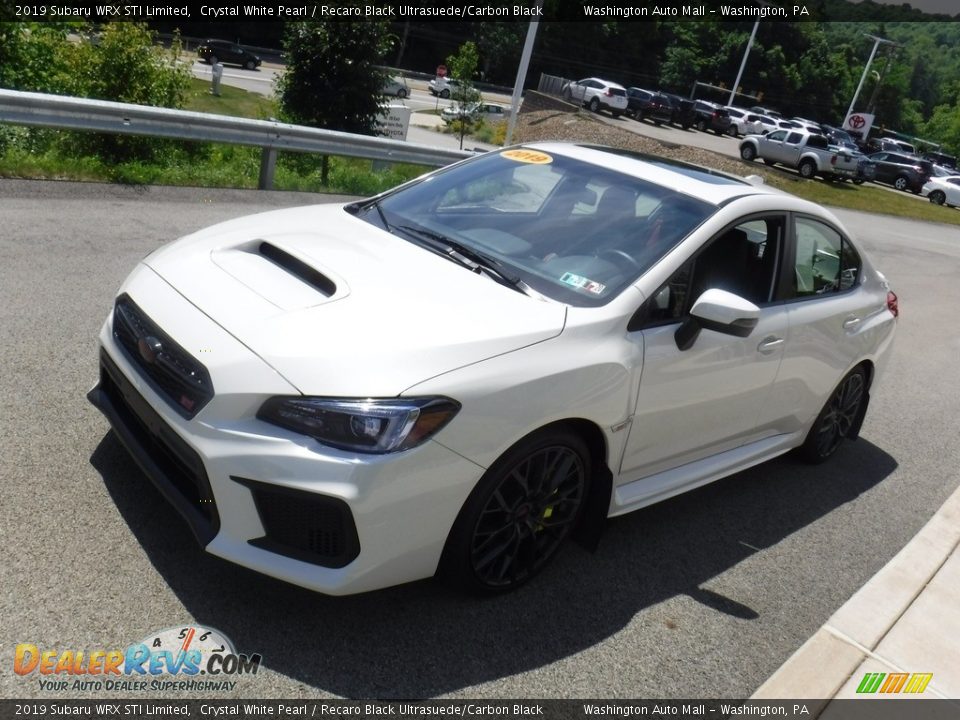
x=906, y=619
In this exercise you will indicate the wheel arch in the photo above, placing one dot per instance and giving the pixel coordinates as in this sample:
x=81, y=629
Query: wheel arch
x=597, y=506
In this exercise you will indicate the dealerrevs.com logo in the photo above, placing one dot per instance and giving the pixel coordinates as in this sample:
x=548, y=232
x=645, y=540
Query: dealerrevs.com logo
x=179, y=658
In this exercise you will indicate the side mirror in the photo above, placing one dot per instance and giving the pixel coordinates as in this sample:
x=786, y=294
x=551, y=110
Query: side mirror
x=720, y=311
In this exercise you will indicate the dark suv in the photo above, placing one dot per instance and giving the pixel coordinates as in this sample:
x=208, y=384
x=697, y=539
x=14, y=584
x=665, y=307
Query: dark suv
x=683, y=112
x=712, y=117
x=227, y=52
x=647, y=105
x=948, y=161
x=904, y=172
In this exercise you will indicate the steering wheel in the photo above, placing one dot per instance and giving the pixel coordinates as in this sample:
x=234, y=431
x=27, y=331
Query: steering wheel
x=620, y=255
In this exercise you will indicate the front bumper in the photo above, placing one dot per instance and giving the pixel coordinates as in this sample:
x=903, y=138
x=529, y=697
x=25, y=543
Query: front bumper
x=271, y=500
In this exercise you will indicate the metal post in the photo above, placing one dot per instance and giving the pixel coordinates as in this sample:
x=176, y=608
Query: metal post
x=866, y=69
x=268, y=163
x=522, y=75
x=743, y=64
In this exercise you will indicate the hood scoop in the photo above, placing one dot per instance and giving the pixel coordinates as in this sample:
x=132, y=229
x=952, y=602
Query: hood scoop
x=288, y=281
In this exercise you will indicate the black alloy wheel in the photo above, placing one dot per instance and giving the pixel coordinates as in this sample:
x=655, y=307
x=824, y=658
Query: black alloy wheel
x=838, y=417
x=519, y=514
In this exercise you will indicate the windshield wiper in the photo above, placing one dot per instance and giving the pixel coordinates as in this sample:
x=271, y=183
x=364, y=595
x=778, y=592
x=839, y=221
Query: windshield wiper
x=467, y=257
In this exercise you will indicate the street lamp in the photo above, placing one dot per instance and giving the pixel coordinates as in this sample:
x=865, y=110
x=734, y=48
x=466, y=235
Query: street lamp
x=743, y=64
x=876, y=44
x=746, y=54
x=522, y=75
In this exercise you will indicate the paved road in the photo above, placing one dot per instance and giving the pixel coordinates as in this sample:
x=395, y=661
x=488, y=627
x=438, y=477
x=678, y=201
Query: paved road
x=704, y=595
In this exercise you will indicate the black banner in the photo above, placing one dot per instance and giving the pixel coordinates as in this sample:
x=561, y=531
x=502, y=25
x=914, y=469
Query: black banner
x=856, y=709
x=422, y=10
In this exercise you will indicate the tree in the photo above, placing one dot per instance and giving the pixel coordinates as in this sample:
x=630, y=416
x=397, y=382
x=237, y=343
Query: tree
x=332, y=78
x=462, y=67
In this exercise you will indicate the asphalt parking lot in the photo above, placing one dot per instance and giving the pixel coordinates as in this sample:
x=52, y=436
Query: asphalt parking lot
x=704, y=595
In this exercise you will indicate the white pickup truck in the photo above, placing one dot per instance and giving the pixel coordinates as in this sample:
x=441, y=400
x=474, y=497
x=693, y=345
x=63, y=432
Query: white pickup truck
x=809, y=154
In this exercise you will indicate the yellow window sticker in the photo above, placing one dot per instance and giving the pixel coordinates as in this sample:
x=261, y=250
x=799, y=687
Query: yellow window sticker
x=527, y=156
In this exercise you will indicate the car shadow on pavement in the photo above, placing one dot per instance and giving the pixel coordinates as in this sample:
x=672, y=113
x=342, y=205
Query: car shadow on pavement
x=423, y=639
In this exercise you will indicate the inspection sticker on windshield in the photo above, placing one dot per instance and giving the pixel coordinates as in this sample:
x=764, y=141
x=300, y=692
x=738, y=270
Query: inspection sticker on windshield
x=528, y=156
x=578, y=281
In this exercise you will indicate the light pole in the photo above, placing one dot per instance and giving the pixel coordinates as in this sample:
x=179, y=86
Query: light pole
x=743, y=64
x=521, y=75
x=876, y=44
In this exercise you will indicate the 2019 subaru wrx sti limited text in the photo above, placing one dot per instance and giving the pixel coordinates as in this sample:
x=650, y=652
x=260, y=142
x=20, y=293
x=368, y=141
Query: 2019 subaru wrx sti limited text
x=456, y=373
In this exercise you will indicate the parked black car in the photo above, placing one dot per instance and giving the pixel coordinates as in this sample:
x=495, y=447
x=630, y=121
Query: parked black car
x=227, y=52
x=904, y=172
x=948, y=161
x=648, y=105
x=711, y=116
x=839, y=136
x=683, y=112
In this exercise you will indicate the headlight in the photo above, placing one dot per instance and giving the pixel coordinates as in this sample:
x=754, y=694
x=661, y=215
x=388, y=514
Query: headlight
x=369, y=426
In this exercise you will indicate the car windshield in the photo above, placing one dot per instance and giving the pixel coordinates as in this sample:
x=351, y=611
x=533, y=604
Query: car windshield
x=572, y=231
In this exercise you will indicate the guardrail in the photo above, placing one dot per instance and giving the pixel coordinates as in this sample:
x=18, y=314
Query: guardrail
x=56, y=111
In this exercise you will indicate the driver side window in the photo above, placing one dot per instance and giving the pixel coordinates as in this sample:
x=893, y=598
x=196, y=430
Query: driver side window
x=743, y=259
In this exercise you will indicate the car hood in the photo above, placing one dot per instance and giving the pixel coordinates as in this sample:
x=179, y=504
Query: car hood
x=340, y=307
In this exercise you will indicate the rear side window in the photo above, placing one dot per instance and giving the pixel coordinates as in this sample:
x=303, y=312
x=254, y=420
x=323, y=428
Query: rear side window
x=818, y=141
x=824, y=261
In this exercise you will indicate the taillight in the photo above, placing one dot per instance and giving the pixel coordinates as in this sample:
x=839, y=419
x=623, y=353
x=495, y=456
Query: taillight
x=893, y=304
x=833, y=159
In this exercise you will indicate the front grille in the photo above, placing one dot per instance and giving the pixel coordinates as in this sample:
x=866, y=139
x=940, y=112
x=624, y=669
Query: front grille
x=174, y=466
x=313, y=528
x=175, y=374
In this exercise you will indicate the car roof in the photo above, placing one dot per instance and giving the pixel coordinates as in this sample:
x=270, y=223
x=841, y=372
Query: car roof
x=711, y=186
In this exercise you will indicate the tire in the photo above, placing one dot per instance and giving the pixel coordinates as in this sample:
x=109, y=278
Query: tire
x=615, y=114
x=701, y=125
x=445, y=93
x=902, y=182
x=858, y=181
x=841, y=414
x=732, y=131
x=401, y=93
x=594, y=105
x=807, y=169
x=512, y=524
x=250, y=65
x=938, y=197
x=748, y=152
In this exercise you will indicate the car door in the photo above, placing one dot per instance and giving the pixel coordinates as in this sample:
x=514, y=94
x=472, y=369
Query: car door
x=772, y=145
x=698, y=402
x=791, y=148
x=828, y=313
x=953, y=191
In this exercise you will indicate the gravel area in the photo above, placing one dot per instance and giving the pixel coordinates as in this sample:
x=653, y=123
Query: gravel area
x=582, y=127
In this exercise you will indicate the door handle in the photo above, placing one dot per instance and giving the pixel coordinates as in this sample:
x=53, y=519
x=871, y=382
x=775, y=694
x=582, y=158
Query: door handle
x=851, y=323
x=769, y=344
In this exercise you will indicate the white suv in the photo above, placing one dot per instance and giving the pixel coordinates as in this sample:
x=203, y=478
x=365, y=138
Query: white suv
x=597, y=95
x=442, y=86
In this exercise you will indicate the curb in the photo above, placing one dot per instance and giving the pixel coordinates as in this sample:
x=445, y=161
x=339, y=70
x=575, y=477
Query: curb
x=849, y=643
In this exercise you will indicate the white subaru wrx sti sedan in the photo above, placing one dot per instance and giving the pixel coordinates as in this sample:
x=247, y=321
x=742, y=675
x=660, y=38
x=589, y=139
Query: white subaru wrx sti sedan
x=456, y=374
